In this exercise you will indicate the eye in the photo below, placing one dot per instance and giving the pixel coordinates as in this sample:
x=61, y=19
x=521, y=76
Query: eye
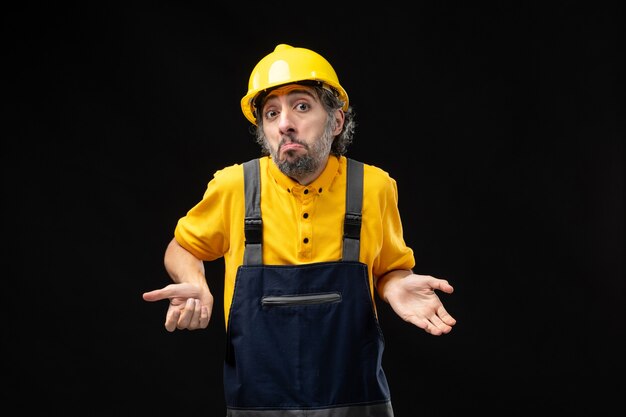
x=303, y=106
x=270, y=114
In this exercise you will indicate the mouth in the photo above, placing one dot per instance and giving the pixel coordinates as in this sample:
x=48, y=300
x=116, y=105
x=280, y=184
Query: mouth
x=291, y=146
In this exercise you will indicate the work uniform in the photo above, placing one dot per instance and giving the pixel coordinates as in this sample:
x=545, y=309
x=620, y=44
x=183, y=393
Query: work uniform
x=303, y=338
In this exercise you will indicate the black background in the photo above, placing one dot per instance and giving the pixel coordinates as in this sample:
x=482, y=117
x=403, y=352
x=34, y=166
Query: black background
x=503, y=126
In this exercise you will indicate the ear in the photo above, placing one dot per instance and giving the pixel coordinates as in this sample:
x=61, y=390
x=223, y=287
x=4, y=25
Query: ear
x=340, y=118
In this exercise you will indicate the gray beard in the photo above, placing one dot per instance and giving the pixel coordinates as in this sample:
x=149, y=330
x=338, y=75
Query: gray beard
x=304, y=165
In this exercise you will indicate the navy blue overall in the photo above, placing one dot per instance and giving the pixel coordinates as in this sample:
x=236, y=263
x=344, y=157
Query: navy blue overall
x=304, y=340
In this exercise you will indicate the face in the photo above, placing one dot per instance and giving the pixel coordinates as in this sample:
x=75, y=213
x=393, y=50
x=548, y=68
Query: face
x=298, y=132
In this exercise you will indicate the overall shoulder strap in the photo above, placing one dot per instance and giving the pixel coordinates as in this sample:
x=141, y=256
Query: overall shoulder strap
x=354, y=202
x=253, y=223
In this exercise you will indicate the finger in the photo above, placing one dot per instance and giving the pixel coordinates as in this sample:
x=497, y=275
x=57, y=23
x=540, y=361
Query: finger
x=171, y=319
x=438, y=327
x=443, y=321
x=205, y=317
x=441, y=285
x=186, y=319
x=447, y=318
x=170, y=291
x=444, y=316
x=196, y=318
x=421, y=323
x=154, y=295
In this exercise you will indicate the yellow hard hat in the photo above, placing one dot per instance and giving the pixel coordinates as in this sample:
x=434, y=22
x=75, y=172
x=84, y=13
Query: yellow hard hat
x=288, y=65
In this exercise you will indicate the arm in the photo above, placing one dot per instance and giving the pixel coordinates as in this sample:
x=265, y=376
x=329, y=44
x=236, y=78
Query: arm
x=413, y=298
x=191, y=301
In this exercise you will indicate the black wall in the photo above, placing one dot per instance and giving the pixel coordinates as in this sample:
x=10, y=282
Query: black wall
x=503, y=125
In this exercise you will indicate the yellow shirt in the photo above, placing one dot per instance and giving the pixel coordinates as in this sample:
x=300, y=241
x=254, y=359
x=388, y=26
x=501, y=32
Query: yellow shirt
x=301, y=224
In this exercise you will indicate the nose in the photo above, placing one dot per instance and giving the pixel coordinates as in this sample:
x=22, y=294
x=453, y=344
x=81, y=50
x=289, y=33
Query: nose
x=285, y=121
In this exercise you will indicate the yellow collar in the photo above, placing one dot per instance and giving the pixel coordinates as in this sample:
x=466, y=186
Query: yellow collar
x=321, y=183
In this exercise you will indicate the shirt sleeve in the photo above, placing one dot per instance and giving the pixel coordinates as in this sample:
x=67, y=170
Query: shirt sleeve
x=205, y=230
x=392, y=252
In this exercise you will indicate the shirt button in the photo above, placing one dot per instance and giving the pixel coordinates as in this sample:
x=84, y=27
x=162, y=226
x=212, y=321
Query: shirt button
x=306, y=240
x=306, y=191
x=305, y=215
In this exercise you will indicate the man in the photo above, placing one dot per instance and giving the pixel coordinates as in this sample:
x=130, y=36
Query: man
x=307, y=236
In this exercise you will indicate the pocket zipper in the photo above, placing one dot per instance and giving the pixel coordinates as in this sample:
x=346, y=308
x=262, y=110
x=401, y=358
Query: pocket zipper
x=287, y=300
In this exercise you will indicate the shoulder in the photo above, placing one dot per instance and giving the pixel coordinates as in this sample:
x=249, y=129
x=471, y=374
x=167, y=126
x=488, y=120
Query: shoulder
x=225, y=182
x=375, y=177
x=231, y=175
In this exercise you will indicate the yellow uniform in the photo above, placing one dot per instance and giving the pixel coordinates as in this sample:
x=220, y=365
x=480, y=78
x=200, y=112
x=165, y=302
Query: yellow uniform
x=301, y=224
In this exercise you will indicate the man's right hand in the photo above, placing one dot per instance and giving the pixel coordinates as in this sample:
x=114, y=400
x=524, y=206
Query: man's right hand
x=189, y=307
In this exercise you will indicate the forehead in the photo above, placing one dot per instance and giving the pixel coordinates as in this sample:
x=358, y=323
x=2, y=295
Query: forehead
x=291, y=89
